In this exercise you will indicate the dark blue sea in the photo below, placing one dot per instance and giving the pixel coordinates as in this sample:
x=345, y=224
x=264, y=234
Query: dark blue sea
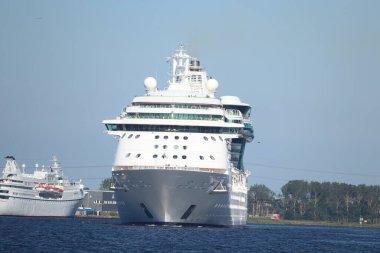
x=108, y=235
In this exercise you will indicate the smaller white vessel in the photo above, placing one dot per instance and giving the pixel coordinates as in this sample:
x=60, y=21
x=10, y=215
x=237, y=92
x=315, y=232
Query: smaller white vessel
x=45, y=193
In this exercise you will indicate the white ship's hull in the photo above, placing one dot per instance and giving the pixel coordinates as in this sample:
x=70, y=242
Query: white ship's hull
x=38, y=208
x=153, y=196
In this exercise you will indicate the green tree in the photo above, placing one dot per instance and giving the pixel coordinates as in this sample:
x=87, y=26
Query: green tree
x=319, y=201
x=260, y=200
x=336, y=193
x=106, y=184
x=295, y=195
x=315, y=191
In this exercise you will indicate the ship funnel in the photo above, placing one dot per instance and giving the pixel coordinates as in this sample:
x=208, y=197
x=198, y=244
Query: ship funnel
x=195, y=63
x=9, y=157
x=11, y=167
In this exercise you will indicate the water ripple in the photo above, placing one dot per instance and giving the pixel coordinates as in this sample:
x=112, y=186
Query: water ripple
x=106, y=235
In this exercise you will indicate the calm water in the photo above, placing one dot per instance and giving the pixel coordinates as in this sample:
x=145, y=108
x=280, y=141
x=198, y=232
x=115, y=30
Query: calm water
x=104, y=235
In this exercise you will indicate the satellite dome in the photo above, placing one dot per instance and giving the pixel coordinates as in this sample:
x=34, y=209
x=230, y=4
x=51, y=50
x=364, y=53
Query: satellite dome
x=212, y=85
x=150, y=84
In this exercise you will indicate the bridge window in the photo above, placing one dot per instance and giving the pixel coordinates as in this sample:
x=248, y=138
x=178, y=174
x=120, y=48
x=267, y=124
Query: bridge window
x=114, y=127
x=177, y=128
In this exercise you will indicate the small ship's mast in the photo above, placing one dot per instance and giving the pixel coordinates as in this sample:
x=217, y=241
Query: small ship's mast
x=180, y=65
x=56, y=165
x=187, y=71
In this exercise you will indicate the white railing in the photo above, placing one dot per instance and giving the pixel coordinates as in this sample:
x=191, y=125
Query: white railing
x=181, y=168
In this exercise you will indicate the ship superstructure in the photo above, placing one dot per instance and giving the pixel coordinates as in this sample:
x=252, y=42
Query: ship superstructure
x=45, y=193
x=180, y=151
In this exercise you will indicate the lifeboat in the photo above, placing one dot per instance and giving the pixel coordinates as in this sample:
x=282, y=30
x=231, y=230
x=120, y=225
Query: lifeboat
x=45, y=187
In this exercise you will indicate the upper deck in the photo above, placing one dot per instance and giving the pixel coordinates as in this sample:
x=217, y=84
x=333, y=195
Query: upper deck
x=188, y=101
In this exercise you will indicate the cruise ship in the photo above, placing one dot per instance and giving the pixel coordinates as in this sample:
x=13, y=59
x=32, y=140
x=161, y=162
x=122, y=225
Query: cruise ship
x=45, y=193
x=179, y=157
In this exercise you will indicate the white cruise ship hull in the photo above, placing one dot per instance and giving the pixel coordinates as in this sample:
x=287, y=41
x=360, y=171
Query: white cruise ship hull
x=38, y=208
x=155, y=196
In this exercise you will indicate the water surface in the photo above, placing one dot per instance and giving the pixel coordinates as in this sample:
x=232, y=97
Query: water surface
x=108, y=235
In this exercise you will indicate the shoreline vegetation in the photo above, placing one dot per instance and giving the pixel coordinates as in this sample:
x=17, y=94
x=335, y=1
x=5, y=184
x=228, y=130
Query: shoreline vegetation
x=317, y=203
x=269, y=221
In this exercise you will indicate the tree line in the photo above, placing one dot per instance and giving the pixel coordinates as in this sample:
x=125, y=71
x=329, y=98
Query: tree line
x=317, y=201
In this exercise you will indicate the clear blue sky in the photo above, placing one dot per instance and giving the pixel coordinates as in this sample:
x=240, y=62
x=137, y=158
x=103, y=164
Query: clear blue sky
x=310, y=69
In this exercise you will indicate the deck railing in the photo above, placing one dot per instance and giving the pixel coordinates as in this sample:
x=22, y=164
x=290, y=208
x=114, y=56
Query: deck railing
x=168, y=167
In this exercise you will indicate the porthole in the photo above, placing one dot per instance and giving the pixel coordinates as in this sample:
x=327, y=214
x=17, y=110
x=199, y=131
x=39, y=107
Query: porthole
x=201, y=157
x=166, y=137
x=212, y=158
x=155, y=156
x=220, y=137
x=176, y=137
x=164, y=146
x=138, y=155
x=175, y=146
x=183, y=157
x=184, y=147
x=185, y=137
x=204, y=137
x=175, y=156
x=163, y=156
x=213, y=138
x=156, y=146
x=130, y=136
x=127, y=155
x=156, y=137
x=137, y=136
